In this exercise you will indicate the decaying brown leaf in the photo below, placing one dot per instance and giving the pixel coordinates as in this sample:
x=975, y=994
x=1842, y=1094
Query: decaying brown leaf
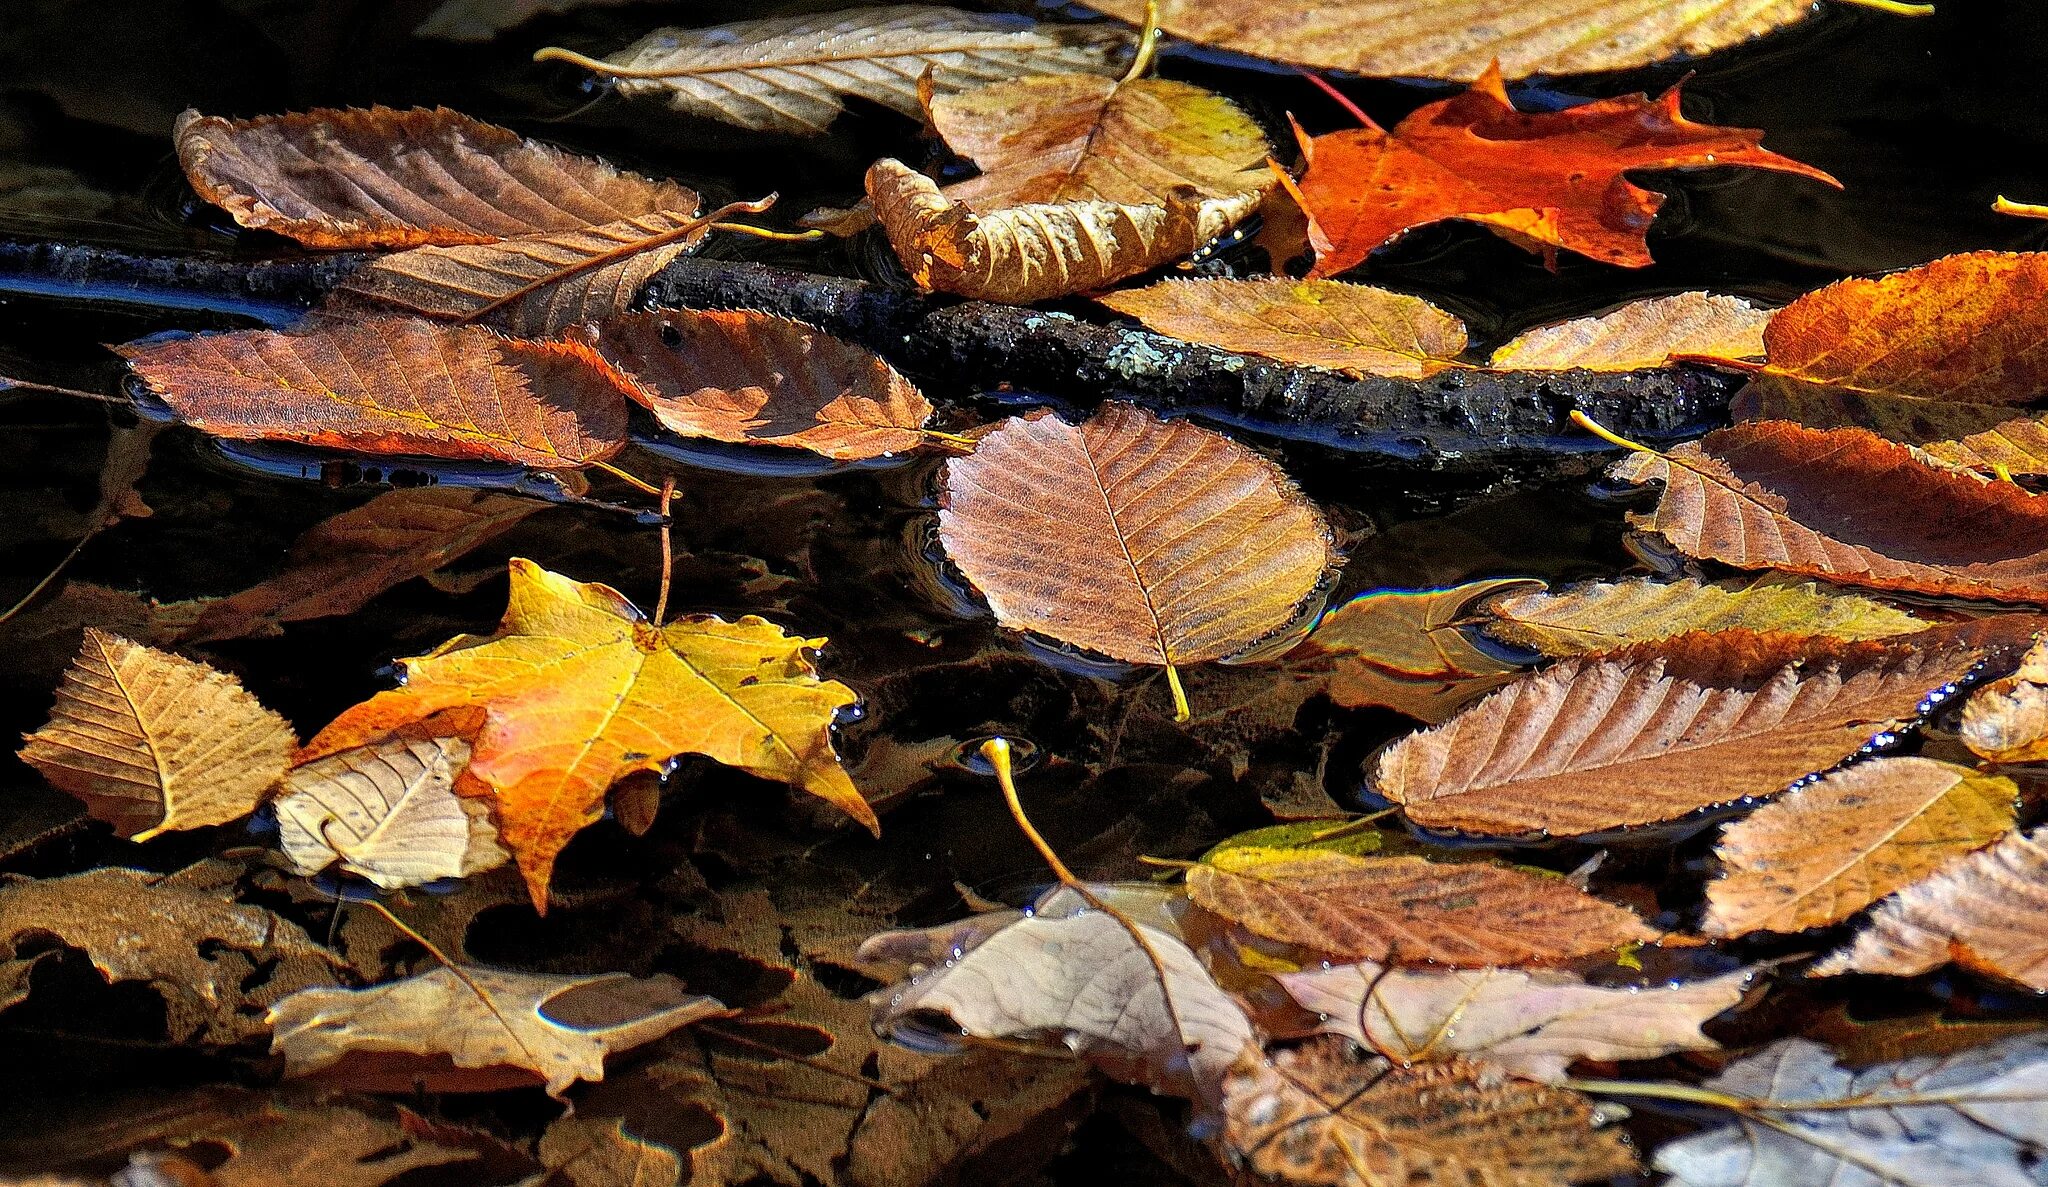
x=1596, y=616
x=598, y=1152
x=387, y=811
x=154, y=742
x=2007, y=720
x=1353, y=328
x=1641, y=334
x=1822, y=852
x=1983, y=912
x=1404, y=649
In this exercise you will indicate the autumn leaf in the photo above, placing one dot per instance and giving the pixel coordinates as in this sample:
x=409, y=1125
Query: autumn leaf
x=2007, y=719
x=755, y=378
x=389, y=813
x=588, y=1152
x=1640, y=335
x=1543, y=179
x=1403, y=649
x=380, y=177
x=1822, y=852
x=395, y=385
x=577, y=689
x=154, y=742
x=1409, y=910
x=1596, y=616
x=1148, y=541
x=1353, y=328
x=789, y=74
x=1590, y=744
x=476, y=1029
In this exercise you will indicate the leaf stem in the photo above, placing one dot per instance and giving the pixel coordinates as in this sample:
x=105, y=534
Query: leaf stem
x=1343, y=100
x=668, y=556
x=7, y=382
x=950, y=440
x=810, y=236
x=628, y=479
x=1895, y=7
x=997, y=753
x=1686, y=1093
x=2004, y=205
x=1181, y=712
x=50, y=576
x=1148, y=45
x=1601, y=431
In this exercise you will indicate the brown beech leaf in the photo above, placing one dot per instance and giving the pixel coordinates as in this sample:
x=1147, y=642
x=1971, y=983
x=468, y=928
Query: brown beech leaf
x=380, y=177
x=1641, y=334
x=1318, y=1115
x=1820, y=853
x=755, y=378
x=1597, y=616
x=1409, y=910
x=395, y=385
x=1593, y=744
x=1148, y=541
x=2007, y=720
x=1403, y=649
x=788, y=74
x=1983, y=912
x=1847, y=505
x=154, y=742
x=1353, y=328
x=1529, y=1024
x=388, y=812
x=477, y=1029
x=1459, y=39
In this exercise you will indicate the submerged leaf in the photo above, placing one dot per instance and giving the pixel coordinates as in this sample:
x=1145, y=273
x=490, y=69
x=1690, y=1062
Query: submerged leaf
x=1353, y=328
x=1983, y=912
x=388, y=812
x=1596, y=616
x=1404, y=649
x=2006, y=721
x=1641, y=334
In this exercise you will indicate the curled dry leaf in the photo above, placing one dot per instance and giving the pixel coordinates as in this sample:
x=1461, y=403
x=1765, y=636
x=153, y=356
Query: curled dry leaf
x=477, y=1030
x=1404, y=649
x=1409, y=910
x=1317, y=1115
x=1528, y=1024
x=389, y=813
x=1641, y=334
x=2007, y=720
x=1353, y=328
x=577, y=689
x=755, y=378
x=395, y=385
x=154, y=742
x=1847, y=505
x=1596, y=616
x=1543, y=179
x=1825, y=851
x=790, y=74
x=379, y=177
x=1983, y=912
x=1591, y=744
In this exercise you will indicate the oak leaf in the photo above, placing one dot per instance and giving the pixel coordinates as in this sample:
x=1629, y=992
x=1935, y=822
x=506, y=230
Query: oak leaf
x=1592, y=744
x=1847, y=505
x=1982, y=912
x=389, y=813
x=1640, y=335
x=1405, y=649
x=789, y=74
x=395, y=385
x=1824, y=851
x=577, y=689
x=1353, y=328
x=586, y=1151
x=380, y=177
x=755, y=378
x=1596, y=616
x=2006, y=721
x=1544, y=179
x=477, y=1029
x=154, y=742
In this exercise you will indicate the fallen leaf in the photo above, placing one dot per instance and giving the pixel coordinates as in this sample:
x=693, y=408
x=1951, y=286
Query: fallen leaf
x=755, y=378
x=1460, y=39
x=1409, y=910
x=2007, y=719
x=1596, y=616
x=153, y=742
x=389, y=813
x=1591, y=745
x=1148, y=541
x=1353, y=328
x=1317, y=1115
x=598, y=1152
x=1404, y=649
x=1543, y=179
x=1847, y=505
x=1533, y=1025
x=789, y=74
x=1982, y=912
x=1820, y=853
x=394, y=385
x=477, y=1030
x=1641, y=335
x=577, y=689
x=381, y=177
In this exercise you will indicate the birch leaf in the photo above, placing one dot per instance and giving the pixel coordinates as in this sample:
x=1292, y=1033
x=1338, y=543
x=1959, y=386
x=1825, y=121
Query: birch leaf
x=1640, y=335
x=1597, y=616
x=1353, y=328
x=1982, y=912
x=389, y=813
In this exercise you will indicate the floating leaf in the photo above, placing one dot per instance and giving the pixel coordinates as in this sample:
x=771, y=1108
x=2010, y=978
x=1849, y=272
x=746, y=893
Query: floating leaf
x=1403, y=649
x=154, y=742
x=1548, y=179
x=395, y=385
x=1983, y=912
x=789, y=74
x=1640, y=335
x=388, y=812
x=2007, y=720
x=1596, y=616
x=1823, y=852
x=1590, y=745
x=477, y=1029
x=381, y=177
x=756, y=378
x=577, y=689
x=1353, y=328
x=1409, y=910
x=1529, y=1024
